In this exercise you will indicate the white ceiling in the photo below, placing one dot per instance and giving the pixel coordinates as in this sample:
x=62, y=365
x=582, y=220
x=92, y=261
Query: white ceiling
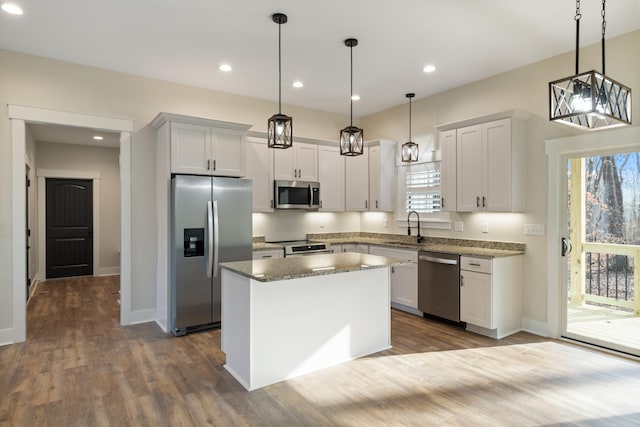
x=185, y=41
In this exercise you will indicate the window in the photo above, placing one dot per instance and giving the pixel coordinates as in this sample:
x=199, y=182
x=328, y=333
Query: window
x=419, y=188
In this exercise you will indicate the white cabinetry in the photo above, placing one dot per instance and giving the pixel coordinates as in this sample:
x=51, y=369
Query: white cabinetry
x=268, y=254
x=300, y=162
x=260, y=170
x=490, y=166
x=491, y=295
x=382, y=172
x=331, y=171
x=448, y=178
x=404, y=279
x=357, y=182
x=207, y=147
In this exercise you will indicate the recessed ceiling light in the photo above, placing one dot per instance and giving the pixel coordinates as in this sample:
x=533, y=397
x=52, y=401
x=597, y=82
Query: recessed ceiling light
x=429, y=68
x=225, y=68
x=11, y=8
x=98, y=138
x=298, y=84
x=355, y=97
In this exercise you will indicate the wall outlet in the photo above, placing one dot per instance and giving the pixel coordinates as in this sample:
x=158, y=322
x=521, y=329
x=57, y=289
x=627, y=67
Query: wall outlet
x=458, y=226
x=534, y=229
x=386, y=223
x=484, y=227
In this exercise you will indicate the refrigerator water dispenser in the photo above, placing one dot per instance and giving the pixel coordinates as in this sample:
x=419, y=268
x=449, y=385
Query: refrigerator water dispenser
x=193, y=242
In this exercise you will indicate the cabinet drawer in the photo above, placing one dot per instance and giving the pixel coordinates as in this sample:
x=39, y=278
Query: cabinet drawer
x=481, y=265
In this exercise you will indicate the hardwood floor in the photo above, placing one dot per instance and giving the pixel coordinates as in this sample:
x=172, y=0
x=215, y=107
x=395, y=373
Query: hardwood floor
x=80, y=368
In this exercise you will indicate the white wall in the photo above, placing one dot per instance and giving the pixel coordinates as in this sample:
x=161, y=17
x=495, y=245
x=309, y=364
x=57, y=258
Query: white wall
x=526, y=89
x=72, y=157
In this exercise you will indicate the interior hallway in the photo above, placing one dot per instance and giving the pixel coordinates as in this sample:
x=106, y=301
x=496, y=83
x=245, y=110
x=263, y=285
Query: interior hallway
x=80, y=367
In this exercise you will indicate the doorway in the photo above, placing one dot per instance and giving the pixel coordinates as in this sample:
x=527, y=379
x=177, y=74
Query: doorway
x=69, y=229
x=20, y=116
x=601, y=302
x=563, y=275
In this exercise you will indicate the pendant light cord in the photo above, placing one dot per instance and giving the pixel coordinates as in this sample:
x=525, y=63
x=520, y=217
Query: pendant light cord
x=604, y=27
x=410, y=119
x=279, y=69
x=351, y=97
x=577, y=18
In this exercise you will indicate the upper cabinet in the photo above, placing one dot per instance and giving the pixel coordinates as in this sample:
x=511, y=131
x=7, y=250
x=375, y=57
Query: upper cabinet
x=331, y=171
x=357, y=182
x=205, y=147
x=300, y=162
x=382, y=176
x=488, y=173
x=448, y=179
x=260, y=170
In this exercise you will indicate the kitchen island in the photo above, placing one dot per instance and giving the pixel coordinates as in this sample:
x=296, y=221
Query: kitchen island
x=286, y=317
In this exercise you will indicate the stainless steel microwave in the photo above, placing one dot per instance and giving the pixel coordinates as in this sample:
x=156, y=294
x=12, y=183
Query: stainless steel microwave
x=297, y=195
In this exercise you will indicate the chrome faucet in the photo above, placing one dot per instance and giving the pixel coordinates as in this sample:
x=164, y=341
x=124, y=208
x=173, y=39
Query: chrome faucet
x=409, y=225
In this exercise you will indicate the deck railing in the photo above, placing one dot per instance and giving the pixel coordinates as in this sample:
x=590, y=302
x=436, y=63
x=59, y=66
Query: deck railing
x=609, y=276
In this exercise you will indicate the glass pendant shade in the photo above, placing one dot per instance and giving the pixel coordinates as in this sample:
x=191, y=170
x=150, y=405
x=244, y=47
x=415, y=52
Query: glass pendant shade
x=590, y=101
x=409, y=152
x=351, y=141
x=280, y=131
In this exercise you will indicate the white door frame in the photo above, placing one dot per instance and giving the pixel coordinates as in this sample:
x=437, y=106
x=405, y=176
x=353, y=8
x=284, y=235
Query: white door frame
x=558, y=152
x=20, y=116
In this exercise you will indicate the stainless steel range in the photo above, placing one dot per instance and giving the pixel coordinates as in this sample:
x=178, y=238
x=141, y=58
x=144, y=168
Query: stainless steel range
x=304, y=247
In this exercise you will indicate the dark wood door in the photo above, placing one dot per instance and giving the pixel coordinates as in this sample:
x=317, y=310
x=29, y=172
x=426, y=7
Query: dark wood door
x=69, y=227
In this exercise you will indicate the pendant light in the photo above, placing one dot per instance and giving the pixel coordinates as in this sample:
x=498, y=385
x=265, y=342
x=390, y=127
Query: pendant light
x=410, y=148
x=280, y=126
x=351, y=143
x=589, y=100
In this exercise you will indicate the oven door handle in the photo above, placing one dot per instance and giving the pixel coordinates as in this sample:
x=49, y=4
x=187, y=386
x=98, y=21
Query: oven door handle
x=438, y=260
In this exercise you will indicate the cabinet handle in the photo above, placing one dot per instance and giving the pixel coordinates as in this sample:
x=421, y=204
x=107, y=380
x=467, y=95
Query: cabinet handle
x=393, y=270
x=214, y=165
x=376, y=204
x=267, y=256
x=272, y=203
x=483, y=201
x=461, y=281
x=208, y=164
x=475, y=264
x=477, y=201
x=320, y=204
x=366, y=204
x=442, y=202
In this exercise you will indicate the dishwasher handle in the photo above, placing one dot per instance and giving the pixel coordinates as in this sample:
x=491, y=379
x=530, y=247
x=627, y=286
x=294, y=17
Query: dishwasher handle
x=438, y=260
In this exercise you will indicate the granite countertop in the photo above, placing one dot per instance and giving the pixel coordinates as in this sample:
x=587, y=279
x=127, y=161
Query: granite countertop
x=268, y=270
x=481, y=248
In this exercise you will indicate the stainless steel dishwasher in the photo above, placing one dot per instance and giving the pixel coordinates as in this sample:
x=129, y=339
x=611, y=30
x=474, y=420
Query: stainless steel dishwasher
x=439, y=285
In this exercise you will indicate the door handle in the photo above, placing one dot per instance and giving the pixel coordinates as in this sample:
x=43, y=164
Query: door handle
x=216, y=238
x=567, y=246
x=209, y=246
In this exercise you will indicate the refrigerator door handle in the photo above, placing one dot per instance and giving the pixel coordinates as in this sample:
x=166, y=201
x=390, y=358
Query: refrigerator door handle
x=215, y=238
x=209, y=246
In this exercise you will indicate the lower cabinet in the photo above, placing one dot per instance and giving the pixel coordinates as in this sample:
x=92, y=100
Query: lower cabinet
x=491, y=295
x=269, y=253
x=404, y=279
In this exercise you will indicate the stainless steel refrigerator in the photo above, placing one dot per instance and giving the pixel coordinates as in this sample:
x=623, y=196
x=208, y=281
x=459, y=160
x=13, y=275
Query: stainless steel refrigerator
x=211, y=223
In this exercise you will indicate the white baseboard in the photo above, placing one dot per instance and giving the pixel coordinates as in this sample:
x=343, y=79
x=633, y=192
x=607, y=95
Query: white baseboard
x=6, y=336
x=108, y=271
x=535, y=327
x=142, y=316
x=163, y=325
